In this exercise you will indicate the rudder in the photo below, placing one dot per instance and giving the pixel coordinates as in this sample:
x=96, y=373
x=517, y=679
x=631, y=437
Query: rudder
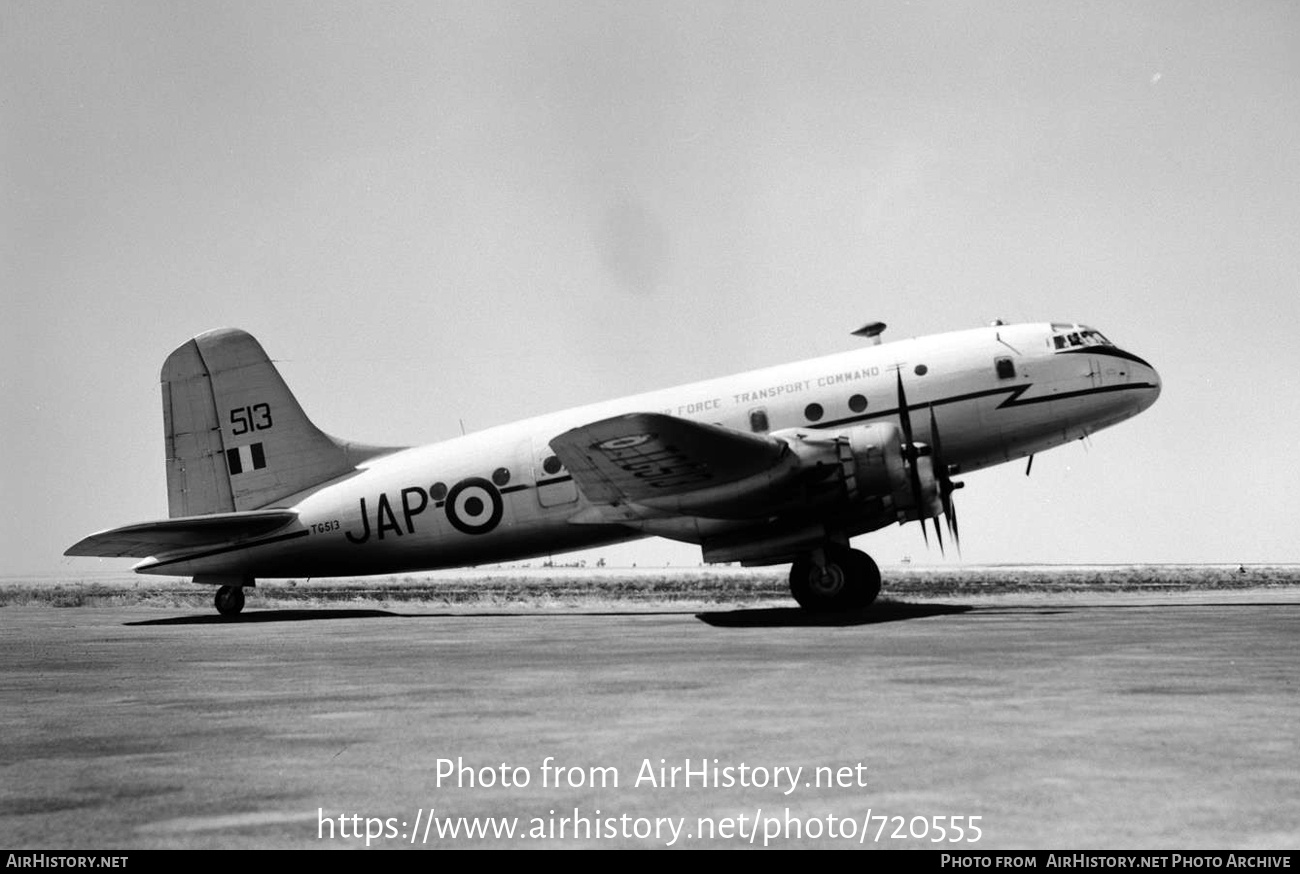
x=237, y=438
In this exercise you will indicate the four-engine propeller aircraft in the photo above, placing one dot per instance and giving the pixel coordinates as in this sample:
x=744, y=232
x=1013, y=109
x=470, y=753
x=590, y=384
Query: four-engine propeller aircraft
x=780, y=465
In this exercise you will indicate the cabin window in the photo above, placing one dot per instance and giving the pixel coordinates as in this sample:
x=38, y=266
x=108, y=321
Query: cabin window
x=551, y=465
x=813, y=412
x=500, y=476
x=438, y=491
x=922, y=370
x=1006, y=368
x=857, y=403
x=758, y=421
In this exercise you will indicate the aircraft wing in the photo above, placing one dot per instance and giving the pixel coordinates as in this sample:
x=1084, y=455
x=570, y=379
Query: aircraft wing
x=671, y=464
x=152, y=538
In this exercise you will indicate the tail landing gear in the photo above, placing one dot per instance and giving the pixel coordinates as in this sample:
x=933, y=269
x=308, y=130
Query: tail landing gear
x=229, y=601
x=230, y=597
x=844, y=579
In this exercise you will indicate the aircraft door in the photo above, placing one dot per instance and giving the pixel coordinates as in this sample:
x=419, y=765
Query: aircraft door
x=555, y=486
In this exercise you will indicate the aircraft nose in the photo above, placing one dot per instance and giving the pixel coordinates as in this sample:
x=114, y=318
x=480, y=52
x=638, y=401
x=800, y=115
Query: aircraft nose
x=1147, y=374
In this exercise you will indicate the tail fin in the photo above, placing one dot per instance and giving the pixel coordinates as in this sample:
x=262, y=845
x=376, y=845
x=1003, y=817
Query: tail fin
x=236, y=437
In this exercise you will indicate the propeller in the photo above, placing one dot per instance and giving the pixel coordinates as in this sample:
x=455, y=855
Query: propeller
x=912, y=452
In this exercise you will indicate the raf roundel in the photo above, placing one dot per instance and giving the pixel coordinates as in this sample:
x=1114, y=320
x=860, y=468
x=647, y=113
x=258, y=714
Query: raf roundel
x=474, y=506
x=617, y=443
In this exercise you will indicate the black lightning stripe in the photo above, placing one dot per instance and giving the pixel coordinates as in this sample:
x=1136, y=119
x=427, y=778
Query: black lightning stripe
x=1013, y=393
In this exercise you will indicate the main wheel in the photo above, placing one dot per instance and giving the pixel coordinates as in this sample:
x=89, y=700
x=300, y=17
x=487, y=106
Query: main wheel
x=867, y=575
x=848, y=580
x=229, y=600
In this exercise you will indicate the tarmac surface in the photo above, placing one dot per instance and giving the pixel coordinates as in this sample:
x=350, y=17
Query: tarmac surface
x=1158, y=721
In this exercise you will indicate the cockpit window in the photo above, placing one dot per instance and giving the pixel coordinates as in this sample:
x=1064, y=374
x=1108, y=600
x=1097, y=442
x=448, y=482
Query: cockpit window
x=1073, y=336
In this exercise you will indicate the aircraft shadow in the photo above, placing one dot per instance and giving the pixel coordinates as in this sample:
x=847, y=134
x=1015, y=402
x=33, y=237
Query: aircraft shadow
x=1052, y=609
x=794, y=617
x=317, y=615
x=748, y=617
x=268, y=616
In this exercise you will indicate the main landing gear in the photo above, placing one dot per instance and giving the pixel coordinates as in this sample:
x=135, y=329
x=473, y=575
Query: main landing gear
x=229, y=601
x=834, y=579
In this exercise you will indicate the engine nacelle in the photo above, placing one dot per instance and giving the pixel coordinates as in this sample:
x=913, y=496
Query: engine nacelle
x=881, y=465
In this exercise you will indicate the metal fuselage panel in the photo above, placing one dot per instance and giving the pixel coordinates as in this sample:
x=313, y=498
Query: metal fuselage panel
x=492, y=496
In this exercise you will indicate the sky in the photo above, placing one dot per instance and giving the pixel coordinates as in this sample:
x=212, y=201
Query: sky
x=443, y=213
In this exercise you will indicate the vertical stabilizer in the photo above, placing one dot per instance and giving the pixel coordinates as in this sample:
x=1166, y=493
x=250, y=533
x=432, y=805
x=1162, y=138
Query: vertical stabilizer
x=236, y=437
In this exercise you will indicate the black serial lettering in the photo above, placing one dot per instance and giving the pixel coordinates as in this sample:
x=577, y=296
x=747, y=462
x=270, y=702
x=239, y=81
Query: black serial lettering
x=409, y=512
x=385, y=521
x=252, y=418
x=365, y=527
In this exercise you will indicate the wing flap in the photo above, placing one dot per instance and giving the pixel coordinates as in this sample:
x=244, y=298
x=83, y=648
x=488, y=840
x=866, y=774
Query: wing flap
x=144, y=539
x=665, y=462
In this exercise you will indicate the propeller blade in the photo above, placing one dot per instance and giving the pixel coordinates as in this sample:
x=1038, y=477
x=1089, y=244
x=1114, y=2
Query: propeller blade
x=904, y=415
x=946, y=485
x=934, y=441
x=909, y=451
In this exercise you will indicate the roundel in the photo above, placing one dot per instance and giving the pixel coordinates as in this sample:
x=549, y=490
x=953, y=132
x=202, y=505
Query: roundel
x=474, y=506
x=627, y=442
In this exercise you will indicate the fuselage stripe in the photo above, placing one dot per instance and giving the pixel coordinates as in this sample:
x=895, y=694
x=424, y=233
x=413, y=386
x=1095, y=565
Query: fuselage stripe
x=1013, y=393
x=553, y=481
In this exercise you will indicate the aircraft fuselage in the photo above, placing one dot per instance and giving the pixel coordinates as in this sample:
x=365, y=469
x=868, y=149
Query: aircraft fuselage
x=997, y=394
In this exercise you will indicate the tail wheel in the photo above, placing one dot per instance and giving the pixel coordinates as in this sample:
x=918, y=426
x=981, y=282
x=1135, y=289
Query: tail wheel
x=229, y=600
x=847, y=580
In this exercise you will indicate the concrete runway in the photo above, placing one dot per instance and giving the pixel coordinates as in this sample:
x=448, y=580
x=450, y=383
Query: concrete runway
x=1075, y=722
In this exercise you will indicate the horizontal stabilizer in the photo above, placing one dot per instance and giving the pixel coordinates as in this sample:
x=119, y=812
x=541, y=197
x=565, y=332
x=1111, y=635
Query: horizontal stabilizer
x=652, y=458
x=168, y=535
